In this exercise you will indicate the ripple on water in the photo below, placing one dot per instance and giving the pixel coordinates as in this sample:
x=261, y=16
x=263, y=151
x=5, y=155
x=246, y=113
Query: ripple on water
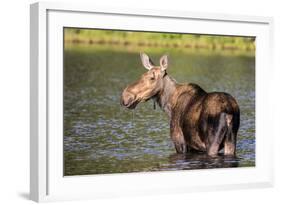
x=102, y=137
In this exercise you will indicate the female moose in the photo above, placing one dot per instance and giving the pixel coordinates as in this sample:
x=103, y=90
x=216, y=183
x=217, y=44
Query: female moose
x=200, y=121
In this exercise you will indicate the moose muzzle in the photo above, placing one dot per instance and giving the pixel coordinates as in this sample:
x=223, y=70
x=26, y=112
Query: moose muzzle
x=128, y=100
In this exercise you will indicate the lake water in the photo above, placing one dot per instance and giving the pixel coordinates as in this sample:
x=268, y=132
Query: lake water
x=102, y=137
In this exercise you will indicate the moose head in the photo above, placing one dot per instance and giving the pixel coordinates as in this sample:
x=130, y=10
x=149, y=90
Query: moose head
x=149, y=84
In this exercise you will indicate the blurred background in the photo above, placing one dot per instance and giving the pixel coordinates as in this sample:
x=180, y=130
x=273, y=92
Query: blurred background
x=158, y=40
x=102, y=137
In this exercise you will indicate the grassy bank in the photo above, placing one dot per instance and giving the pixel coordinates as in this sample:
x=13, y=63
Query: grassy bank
x=155, y=40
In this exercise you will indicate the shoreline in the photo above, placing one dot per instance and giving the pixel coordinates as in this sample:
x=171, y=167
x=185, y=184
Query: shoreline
x=197, y=46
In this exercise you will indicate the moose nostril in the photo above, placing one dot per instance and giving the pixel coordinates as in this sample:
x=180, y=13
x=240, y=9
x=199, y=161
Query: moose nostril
x=127, y=98
x=127, y=101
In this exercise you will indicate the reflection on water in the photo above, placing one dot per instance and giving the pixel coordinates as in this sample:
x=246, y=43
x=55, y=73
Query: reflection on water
x=102, y=137
x=200, y=161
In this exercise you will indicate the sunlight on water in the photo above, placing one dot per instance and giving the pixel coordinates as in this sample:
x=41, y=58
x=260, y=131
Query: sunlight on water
x=101, y=137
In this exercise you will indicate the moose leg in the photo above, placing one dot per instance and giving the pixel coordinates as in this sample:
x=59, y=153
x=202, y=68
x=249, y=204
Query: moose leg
x=178, y=138
x=216, y=133
x=233, y=122
x=230, y=143
x=229, y=148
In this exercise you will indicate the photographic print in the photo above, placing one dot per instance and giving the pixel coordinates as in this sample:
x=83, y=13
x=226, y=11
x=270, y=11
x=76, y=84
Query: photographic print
x=139, y=101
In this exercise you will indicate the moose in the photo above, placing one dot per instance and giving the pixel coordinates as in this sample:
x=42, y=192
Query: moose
x=199, y=121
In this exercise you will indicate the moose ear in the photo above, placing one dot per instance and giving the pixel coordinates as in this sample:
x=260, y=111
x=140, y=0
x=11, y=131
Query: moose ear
x=164, y=62
x=146, y=61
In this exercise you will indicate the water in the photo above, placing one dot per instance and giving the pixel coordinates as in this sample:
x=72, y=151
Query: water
x=102, y=137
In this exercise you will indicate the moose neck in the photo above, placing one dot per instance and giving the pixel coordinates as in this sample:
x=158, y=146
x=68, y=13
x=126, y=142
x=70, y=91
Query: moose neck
x=163, y=98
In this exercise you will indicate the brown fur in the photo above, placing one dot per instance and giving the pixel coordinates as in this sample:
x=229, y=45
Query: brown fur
x=199, y=120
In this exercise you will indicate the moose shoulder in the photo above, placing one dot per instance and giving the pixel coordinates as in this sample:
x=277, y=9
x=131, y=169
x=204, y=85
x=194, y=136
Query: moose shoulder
x=199, y=120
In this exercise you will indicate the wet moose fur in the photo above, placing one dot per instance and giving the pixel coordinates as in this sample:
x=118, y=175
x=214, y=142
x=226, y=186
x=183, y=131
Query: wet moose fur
x=199, y=121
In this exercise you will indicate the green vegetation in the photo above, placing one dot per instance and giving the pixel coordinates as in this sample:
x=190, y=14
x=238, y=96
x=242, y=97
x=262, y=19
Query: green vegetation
x=135, y=40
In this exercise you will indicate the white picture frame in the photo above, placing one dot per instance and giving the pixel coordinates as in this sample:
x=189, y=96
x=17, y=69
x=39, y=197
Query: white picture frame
x=47, y=182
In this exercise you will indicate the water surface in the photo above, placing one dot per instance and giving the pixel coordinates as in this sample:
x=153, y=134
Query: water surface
x=101, y=137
